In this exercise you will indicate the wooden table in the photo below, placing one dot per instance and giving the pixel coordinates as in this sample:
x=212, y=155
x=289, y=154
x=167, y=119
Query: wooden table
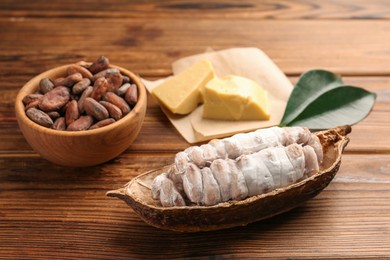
x=48, y=211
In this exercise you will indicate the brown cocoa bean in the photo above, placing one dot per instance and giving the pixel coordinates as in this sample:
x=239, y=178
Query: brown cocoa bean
x=34, y=103
x=45, y=85
x=57, y=81
x=31, y=97
x=70, y=80
x=126, y=79
x=86, y=93
x=102, y=123
x=81, y=86
x=83, y=123
x=72, y=112
x=53, y=115
x=114, y=82
x=95, y=109
x=54, y=99
x=113, y=110
x=117, y=101
x=105, y=73
x=131, y=95
x=99, y=88
x=39, y=117
x=72, y=69
x=122, y=89
x=59, y=124
x=100, y=64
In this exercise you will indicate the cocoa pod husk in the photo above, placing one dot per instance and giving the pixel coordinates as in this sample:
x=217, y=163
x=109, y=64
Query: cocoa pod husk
x=233, y=213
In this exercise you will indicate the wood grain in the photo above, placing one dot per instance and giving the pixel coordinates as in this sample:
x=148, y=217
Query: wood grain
x=246, y=9
x=53, y=212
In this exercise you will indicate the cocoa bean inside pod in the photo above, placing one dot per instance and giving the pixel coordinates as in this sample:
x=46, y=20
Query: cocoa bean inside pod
x=234, y=212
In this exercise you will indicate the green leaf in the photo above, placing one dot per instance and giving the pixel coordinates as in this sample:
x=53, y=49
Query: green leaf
x=339, y=106
x=309, y=87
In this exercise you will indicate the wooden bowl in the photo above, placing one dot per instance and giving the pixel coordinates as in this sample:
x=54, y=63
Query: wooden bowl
x=81, y=148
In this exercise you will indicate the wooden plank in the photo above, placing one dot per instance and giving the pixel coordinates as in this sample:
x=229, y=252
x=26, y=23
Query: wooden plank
x=248, y=9
x=148, y=47
x=63, y=213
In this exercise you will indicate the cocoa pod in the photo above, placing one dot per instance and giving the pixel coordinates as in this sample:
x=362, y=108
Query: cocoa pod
x=69, y=80
x=122, y=89
x=72, y=69
x=95, y=109
x=85, y=94
x=105, y=73
x=72, y=112
x=45, y=85
x=39, y=117
x=53, y=115
x=54, y=99
x=117, y=101
x=83, y=123
x=59, y=124
x=100, y=64
x=131, y=95
x=81, y=86
x=114, y=82
x=99, y=88
x=31, y=97
x=113, y=110
x=102, y=123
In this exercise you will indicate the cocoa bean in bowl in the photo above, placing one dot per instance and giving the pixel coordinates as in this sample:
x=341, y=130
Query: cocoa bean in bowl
x=81, y=114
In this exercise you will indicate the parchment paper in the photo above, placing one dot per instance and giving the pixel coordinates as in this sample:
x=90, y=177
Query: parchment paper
x=247, y=62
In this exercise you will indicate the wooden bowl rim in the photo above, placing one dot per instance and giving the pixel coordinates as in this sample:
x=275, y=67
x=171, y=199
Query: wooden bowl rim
x=29, y=88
